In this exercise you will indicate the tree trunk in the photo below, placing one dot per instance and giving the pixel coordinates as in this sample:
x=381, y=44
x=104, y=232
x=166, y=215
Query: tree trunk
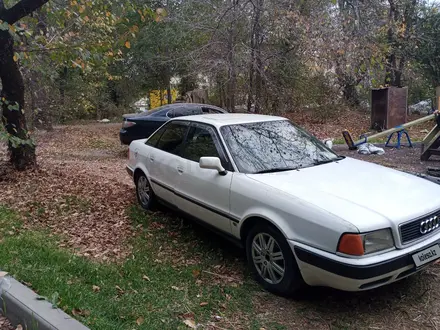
x=22, y=150
x=250, y=99
x=232, y=72
x=350, y=93
x=258, y=63
x=42, y=110
x=169, y=96
x=398, y=16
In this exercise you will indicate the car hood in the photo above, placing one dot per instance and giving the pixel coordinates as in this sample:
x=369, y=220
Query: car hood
x=363, y=193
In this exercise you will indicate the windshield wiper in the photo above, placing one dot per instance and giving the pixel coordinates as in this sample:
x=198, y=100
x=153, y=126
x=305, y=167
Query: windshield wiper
x=326, y=161
x=279, y=169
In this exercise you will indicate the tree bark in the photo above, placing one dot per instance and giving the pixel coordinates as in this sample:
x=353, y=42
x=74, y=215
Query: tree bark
x=395, y=65
x=21, y=148
x=169, y=96
x=257, y=60
x=41, y=106
x=22, y=151
x=232, y=72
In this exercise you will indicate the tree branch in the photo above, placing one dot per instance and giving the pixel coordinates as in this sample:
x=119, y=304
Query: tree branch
x=20, y=10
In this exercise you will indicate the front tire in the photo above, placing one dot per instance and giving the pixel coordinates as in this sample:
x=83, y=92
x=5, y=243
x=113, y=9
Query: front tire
x=272, y=262
x=144, y=193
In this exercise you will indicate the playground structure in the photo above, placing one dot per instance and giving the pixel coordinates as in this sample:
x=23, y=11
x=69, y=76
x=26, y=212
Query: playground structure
x=389, y=108
x=430, y=144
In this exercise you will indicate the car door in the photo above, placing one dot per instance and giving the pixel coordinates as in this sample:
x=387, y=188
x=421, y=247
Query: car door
x=201, y=192
x=163, y=160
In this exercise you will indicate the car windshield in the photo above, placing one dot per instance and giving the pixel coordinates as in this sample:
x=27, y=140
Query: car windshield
x=274, y=146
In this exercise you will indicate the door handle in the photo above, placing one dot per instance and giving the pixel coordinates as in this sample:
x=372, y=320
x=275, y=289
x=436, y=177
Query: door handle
x=151, y=158
x=179, y=169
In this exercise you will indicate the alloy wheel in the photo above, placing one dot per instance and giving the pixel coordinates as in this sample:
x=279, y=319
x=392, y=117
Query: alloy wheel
x=144, y=190
x=268, y=258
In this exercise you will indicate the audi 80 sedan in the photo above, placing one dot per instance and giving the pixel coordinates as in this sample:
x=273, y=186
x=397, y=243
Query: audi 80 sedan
x=305, y=215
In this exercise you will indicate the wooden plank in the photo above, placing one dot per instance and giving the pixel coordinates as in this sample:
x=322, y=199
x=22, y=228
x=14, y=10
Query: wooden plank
x=435, y=152
x=431, y=142
x=431, y=145
x=430, y=135
x=396, y=129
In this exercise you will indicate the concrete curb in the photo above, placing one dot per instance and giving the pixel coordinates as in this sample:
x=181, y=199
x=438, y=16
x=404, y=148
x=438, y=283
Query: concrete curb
x=21, y=306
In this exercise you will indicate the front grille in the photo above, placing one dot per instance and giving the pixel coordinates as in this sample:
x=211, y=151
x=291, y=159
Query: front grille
x=411, y=230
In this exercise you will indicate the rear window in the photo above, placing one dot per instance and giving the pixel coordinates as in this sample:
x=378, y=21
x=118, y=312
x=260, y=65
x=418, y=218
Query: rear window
x=180, y=112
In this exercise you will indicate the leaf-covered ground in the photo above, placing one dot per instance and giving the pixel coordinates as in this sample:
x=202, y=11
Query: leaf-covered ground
x=5, y=324
x=131, y=270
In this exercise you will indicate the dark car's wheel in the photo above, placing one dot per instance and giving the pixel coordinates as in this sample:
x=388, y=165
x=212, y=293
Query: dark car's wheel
x=272, y=261
x=144, y=193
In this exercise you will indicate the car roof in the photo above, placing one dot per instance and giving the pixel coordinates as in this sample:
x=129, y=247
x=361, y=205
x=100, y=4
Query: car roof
x=220, y=120
x=172, y=106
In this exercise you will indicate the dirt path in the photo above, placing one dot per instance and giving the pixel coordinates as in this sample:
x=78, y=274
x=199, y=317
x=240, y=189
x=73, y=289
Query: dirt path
x=405, y=159
x=81, y=192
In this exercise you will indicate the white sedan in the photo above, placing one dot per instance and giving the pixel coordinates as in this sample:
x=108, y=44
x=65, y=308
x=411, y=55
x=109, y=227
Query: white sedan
x=304, y=214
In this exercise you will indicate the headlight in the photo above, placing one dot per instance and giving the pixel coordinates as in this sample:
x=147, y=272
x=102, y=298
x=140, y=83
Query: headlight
x=362, y=244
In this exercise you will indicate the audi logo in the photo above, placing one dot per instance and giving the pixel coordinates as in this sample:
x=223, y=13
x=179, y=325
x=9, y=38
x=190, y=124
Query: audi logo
x=429, y=225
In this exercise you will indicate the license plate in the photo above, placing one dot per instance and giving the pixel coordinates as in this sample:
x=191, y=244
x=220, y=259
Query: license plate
x=426, y=256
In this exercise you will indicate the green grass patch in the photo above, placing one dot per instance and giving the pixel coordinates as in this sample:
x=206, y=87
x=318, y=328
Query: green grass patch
x=146, y=291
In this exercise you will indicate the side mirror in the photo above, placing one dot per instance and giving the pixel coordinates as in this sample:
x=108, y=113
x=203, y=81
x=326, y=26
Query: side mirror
x=212, y=163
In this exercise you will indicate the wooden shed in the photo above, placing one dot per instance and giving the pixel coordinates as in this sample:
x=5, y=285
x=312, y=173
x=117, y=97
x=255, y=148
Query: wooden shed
x=389, y=107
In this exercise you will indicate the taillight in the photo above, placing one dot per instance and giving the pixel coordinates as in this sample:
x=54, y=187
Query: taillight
x=128, y=124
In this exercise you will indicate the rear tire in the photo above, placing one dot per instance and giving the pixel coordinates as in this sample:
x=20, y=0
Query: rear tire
x=144, y=193
x=272, y=262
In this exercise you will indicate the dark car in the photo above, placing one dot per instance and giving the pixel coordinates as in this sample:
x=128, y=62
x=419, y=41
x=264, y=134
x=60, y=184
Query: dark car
x=142, y=125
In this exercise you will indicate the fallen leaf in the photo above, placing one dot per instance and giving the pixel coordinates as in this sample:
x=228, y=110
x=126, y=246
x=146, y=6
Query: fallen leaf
x=119, y=289
x=80, y=312
x=140, y=320
x=196, y=272
x=176, y=288
x=190, y=323
x=96, y=288
x=3, y=274
x=203, y=303
x=128, y=44
x=145, y=277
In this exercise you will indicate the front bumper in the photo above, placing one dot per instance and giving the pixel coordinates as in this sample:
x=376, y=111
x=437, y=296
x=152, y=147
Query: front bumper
x=320, y=268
